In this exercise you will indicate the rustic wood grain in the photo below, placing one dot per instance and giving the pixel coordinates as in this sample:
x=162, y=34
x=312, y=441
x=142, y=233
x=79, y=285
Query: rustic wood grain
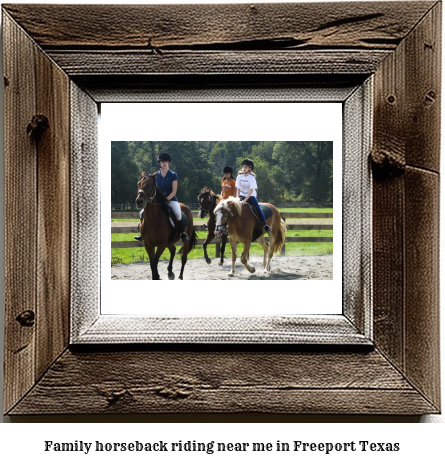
x=84, y=201
x=20, y=213
x=423, y=92
x=406, y=133
x=128, y=63
x=422, y=281
x=221, y=381
x=53, y=228
x=275, y=26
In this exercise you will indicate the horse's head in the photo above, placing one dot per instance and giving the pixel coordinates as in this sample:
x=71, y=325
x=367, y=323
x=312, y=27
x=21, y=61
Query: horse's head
x=205, y=201
x=224, y=212
x=146, y=190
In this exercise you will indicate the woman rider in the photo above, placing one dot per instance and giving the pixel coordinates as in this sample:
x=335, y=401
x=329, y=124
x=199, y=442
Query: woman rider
x=246, y=190
x=228, y=187
x=167, y=182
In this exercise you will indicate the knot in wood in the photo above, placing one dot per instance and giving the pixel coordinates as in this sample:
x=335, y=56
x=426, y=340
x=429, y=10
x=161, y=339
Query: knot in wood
x=387, y=163
x=26, y=318
x=37, y=126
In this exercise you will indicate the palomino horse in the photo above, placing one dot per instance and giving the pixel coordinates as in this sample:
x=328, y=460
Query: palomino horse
x=240, y=224
x=155, y=230
x=207, y=203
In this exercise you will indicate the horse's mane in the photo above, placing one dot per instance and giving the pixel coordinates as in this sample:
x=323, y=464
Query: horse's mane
x=224, y=204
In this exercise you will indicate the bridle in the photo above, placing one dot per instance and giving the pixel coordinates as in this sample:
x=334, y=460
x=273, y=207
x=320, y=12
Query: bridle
x=148, y=199
x=223, y=228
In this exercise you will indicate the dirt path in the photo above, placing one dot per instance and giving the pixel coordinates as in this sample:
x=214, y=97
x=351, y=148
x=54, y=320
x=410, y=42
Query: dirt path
x=304, y=267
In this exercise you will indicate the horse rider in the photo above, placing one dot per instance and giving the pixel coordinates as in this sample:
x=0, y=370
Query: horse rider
x=228, y=183
x=167, y=182
x=246, y=190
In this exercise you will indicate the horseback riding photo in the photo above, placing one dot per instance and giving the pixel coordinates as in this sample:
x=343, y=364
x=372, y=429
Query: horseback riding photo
x=272, y=201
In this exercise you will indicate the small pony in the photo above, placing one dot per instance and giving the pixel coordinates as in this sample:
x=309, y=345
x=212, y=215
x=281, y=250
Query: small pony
x=240, y=223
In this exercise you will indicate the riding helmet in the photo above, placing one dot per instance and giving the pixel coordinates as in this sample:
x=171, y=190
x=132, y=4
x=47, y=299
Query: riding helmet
x=248, y=162
x=227, y=169
x=164, y=157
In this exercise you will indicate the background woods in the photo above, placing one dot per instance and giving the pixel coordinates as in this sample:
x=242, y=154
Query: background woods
x=286, y=171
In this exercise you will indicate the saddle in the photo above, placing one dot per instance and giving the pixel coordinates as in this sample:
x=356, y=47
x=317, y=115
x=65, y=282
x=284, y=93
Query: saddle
x=258, y=230
x=172, y=221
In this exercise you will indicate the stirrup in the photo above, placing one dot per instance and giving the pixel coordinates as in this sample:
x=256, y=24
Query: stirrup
x=184, y=237
x=267, y=228
x=138, y=238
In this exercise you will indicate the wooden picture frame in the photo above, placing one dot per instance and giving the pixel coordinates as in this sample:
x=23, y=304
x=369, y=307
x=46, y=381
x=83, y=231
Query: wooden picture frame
x=77, y=56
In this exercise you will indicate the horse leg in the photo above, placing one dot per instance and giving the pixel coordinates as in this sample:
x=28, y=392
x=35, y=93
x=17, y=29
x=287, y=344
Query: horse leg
x=262, y=240
x=154, y=263
x=209, y=238
x=244, y=257
x=223, y=248
x=186, y=246
x=272, y=238
x=172, y=249
x=233, y=244
x=151, y=257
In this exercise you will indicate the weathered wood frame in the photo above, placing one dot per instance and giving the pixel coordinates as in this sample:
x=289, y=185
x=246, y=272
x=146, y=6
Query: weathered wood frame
x=78, y=56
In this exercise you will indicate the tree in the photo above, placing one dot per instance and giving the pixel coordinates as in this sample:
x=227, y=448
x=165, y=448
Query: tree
x=124, y=173
x=308, y=168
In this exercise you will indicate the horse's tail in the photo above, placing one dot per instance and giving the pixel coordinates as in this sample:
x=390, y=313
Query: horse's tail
x=280, y=238
x=193, y=239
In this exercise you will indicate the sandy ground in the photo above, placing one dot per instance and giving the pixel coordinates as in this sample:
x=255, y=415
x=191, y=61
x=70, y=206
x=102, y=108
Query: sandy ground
x=304, y=267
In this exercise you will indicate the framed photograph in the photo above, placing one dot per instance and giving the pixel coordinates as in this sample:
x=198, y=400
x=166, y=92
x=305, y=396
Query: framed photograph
x=364, y=342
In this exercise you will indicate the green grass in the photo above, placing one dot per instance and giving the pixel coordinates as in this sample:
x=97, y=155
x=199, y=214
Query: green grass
x=294, y=249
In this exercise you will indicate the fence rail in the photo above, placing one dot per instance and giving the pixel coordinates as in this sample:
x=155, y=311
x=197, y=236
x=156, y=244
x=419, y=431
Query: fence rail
x=135, y=215
x=217, y=241
x=201, y=227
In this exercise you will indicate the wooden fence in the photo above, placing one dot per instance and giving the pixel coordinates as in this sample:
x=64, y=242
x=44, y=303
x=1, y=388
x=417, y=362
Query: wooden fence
x=217, y=241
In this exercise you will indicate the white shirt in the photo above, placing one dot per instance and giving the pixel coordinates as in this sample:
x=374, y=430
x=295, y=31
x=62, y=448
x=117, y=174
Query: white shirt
x=245, y=183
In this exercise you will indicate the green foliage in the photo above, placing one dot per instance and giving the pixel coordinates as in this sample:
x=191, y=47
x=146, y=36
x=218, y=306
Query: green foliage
x=124, y=173
x=286, y=171
x=307, y=168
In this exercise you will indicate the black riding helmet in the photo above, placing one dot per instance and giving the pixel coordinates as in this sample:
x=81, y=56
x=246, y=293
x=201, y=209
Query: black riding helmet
x=164, y=157
x=248, y=162
x=227, y=169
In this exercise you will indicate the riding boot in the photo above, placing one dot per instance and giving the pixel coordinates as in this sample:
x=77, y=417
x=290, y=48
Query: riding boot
x=139, y=237
x=266, y=227
x=141, y=213
x=182, y=233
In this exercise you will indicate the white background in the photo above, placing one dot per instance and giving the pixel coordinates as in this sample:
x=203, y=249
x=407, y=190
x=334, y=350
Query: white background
x=220, y=121
x=22, y=442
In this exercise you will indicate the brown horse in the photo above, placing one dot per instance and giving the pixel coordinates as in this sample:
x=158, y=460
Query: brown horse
x=240, y=223
x=155, y=230
x=208, y=201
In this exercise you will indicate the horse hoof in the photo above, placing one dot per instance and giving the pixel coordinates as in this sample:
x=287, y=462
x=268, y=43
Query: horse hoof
x=231, y=275
x=221, y=263
x=253, y=270
x=171, y=276
x=208, y=261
